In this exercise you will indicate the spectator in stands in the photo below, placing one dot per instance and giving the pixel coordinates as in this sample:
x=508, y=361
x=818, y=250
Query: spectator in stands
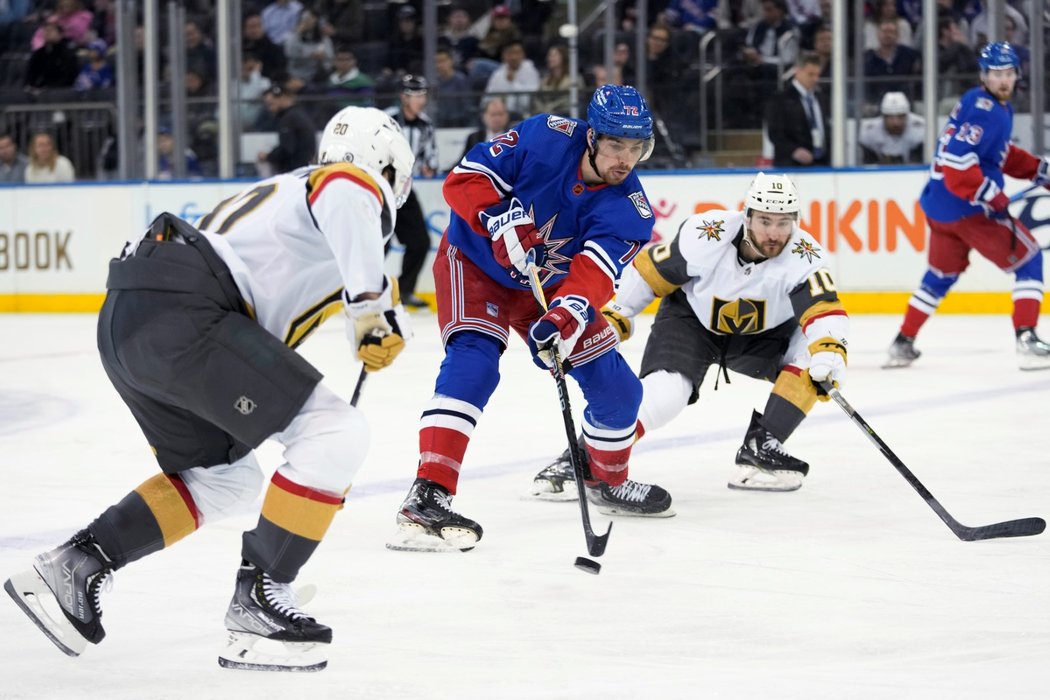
x=406, y=44
x=457, y=34
x=200, y=56
x=46, y=164
x=955, y=10
x=308, y=50
x=255, y=41
x=96, y=73
x=501, y=32
x=805, y=12
x=12, y=163
x=889, y=67
x=886, y=11
x=104, y=21
x=280, y=18
x=663, y=69
x=348, y=82
x=979, y=28
x=515, y=79
x=956, y=60
x=553, y=97
x=455, y=106
x=166, y=160
x=54, y=64
x=345, y=17
x=762, y=46
x=296, y=134
x=822, y=47
x=894, y=137
x=795, y=121
x=411, y=227
x=693, y=15
x=495, y=120
x=253, y=85
x=73, y=20
x=13, y=14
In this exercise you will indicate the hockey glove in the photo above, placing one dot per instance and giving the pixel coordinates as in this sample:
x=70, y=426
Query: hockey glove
x=827, y=362
x=1042, y=174
x=513, y=235
x=560, y=328
x=620, y=322
x=378, y=328
x=994, y=200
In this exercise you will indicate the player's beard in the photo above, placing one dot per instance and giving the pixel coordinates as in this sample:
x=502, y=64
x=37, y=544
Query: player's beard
x=771, y=248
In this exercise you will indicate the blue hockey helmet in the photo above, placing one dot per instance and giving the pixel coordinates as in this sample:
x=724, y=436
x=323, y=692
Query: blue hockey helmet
x=998, y=55
x=621, y=111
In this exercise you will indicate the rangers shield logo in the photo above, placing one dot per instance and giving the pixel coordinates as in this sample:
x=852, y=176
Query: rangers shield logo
x=641, y=204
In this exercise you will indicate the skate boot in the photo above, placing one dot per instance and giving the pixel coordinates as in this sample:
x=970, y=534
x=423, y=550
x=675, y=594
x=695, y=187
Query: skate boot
x=60, y=594
x=427, y=523
x=902, y=352
x=555, y=482
x=763, y=465
x=266, y=629
x=630, y=498
x=1032, y=353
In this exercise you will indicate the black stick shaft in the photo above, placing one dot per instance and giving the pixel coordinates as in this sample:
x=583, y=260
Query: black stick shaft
x=359, y=386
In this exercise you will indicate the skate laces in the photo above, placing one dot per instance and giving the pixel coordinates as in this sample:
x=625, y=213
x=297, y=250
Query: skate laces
x=281, y=598
x=631, y=491
x=771, y=444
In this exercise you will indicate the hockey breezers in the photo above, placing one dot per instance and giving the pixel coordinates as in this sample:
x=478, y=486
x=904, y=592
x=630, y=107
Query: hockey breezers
x=595, y=543
x=1023, y=527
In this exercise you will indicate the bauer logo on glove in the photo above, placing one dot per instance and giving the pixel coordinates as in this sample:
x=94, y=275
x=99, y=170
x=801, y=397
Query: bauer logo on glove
x=516, y=243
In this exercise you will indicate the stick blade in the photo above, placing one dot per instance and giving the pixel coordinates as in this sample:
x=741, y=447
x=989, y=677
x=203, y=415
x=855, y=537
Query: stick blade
x=1024, y=527
x=596, y=543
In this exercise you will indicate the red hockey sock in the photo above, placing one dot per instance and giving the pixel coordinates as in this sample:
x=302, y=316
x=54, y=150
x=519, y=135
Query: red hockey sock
x=441, y=453
x=913, y=320
x=1026, y=313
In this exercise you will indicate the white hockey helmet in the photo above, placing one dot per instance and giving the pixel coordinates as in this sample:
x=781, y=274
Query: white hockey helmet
x=894, y=104
x=369, y=137
x=775, y=194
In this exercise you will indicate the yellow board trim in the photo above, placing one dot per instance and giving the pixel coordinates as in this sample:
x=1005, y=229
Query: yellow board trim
x=854, y=303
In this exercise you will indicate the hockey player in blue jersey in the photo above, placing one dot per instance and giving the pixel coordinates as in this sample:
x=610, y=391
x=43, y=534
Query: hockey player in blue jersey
x=562, y=193
x=967, y=209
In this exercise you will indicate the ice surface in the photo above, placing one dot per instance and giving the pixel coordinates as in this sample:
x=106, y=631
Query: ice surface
x=849, y=588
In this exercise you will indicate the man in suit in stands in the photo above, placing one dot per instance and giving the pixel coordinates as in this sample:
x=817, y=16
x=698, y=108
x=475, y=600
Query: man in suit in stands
x=495, y=120
x=795, y=121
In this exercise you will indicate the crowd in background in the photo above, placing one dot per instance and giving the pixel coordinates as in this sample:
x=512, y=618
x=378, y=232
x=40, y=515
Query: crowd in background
x=327, y=54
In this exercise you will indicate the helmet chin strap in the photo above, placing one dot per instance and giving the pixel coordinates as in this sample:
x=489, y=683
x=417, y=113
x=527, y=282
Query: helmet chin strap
x=592, y=151
x=747, y=240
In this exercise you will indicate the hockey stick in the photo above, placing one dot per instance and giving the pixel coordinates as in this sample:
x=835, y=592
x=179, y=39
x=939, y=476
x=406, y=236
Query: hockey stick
x=359, y=386
x=595, y=543
x=1017, y=197
x=1011, y=528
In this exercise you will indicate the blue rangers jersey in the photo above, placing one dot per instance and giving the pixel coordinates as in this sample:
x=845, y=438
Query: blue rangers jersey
x=594, y=229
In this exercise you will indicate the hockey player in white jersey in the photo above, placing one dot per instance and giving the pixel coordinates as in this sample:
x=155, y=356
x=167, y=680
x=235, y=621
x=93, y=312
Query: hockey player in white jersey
x=747, y=291
x=197, y=334
x=896, y=136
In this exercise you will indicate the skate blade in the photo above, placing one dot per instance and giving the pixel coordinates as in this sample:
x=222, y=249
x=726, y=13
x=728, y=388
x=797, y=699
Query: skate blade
x=1034, y=364
x=750, y=478
x=617, y=510
x=250, y=652
x=36, y=599
x=897, y=364
x=412, y=537
x=543, y=490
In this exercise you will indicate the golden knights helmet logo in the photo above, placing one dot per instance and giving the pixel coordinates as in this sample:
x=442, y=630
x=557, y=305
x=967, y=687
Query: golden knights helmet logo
x=738, y=317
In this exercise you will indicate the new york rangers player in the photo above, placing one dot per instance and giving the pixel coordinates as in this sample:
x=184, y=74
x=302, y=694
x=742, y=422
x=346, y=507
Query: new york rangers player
x=966, y=209
x=563, y=193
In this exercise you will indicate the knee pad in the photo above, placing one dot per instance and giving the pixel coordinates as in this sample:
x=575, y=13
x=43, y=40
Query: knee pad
x=470, y=370
x=936, y=284
x=1031, y=270
x=224, y=489
x=325, y=444
x=612, y=390
x=664, y=395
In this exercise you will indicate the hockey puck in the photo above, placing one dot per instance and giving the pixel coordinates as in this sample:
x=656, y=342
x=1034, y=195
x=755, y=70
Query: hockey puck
x=588, y=565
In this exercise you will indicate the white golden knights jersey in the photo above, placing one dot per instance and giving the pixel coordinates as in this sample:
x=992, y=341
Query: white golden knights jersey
x=294, y=242
x=729, y=295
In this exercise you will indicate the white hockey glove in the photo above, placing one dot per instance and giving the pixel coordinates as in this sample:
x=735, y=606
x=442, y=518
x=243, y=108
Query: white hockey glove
x=560, y=328
x=827, y=362
x=514, y=235
x=1042, y=175
x=378, y=328
x=617, y=317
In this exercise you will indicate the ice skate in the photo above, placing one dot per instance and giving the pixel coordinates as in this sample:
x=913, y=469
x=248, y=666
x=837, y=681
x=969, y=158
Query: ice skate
x=630, y=498
x=902, y=352
x=60, y=594
x=556, y=481
x=427, y=523
x=266, y=630
x=763, y=465
x=1032, y=353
